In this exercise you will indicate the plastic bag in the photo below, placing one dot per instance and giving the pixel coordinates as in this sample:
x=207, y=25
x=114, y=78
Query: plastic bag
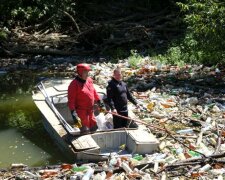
x=101, y=122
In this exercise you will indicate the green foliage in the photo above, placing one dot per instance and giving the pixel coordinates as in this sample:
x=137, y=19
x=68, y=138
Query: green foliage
x=135, y=59
x=25, y=13
x=204, y=38
x=19, y=119
x=3, y=35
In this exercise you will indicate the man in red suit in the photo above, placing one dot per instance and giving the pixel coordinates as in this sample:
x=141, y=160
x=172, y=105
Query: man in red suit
x=81, y=98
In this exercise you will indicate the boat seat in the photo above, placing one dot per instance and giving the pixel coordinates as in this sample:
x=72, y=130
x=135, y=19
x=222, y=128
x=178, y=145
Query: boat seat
x=85, y=142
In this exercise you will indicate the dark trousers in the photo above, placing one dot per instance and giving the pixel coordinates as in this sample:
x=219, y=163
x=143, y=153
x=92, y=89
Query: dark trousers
x=119, y=122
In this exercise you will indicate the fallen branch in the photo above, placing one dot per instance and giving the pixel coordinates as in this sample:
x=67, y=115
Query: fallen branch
x=73, y=20
x=49, y=52
x=37, y=26
x=218, y=140
x=194, y=161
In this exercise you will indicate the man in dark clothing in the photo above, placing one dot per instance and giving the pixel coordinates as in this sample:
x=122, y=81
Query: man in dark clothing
x=118, y=95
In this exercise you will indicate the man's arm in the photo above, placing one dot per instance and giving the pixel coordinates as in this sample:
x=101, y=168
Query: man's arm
x=130, y=97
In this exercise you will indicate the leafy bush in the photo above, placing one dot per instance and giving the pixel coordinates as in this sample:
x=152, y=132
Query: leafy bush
x=204, y=37
x=3, y=35
x=135, y=59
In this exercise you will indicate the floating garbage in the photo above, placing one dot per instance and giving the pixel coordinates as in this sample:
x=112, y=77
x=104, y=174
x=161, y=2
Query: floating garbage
x=184, y=109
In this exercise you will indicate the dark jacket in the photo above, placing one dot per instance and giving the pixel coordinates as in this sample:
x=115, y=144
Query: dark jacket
x=118, y=94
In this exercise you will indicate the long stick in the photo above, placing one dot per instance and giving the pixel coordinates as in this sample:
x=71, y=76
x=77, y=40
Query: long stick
x=136, y=120
x=66, y=126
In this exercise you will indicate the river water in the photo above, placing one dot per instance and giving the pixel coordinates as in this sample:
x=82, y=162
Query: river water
x=23, y=138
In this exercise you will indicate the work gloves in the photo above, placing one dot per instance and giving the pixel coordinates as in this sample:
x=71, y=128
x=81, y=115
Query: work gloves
x=76, y=119
x=101, y=106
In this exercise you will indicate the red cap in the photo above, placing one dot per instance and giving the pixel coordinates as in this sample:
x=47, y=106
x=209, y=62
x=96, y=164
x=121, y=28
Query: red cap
x=82, y=67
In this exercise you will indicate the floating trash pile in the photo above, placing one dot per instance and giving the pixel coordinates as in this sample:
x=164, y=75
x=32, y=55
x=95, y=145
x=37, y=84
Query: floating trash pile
x=184, y=107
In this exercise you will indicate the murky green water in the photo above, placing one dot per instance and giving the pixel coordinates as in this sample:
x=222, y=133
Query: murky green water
x=19, y=149
x=23, y=138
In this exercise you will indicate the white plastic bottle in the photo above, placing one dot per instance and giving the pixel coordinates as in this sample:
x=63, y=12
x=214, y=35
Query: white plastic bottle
x=88, y=174
x=126, y=167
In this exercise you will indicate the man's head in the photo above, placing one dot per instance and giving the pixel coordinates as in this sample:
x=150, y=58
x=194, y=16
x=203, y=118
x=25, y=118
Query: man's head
x=117, y=74
x=82, y=70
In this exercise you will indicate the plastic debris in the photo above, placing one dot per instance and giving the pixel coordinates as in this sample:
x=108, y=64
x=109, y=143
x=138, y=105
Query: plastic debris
x=187, y=107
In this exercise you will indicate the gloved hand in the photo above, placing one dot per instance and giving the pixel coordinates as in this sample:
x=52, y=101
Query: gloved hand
x=101, y=106
x=114, y=111
x=138, y=106
x=141, y=107
x=76, y=119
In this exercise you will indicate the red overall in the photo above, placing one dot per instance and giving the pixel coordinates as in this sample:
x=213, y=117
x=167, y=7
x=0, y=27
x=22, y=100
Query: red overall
x=81, y=98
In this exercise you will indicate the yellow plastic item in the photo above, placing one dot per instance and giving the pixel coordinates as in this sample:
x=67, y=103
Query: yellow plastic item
x=102, y=110
x=123, y=146
x=78, y=124
x=150, y=106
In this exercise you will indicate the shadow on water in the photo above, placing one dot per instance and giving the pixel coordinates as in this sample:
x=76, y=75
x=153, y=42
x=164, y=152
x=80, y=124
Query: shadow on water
x=22, y=134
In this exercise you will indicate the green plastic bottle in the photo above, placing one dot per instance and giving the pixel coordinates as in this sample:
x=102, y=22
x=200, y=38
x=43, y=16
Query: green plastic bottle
x=193, y=153
x=138, y=157
x=79, y=169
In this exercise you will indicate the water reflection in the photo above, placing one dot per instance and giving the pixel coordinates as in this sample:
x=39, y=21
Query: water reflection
x=23, y=138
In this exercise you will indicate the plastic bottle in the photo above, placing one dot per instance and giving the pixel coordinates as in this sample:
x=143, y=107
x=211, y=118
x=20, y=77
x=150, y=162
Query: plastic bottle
x=160, y=156
x=74, y=177
x=88, y=174
x=180, y=154
x=185, y=131
x=79, y=169
x=138, y=157
x=162, y=145
x=204, y=149
x=156, y=166
x=205, y=168
x=212, y=141
x=126, y=167
x=193, y=153
x=112, y=162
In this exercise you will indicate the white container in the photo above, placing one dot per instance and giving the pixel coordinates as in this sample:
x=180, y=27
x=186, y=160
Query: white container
x=141, y=142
